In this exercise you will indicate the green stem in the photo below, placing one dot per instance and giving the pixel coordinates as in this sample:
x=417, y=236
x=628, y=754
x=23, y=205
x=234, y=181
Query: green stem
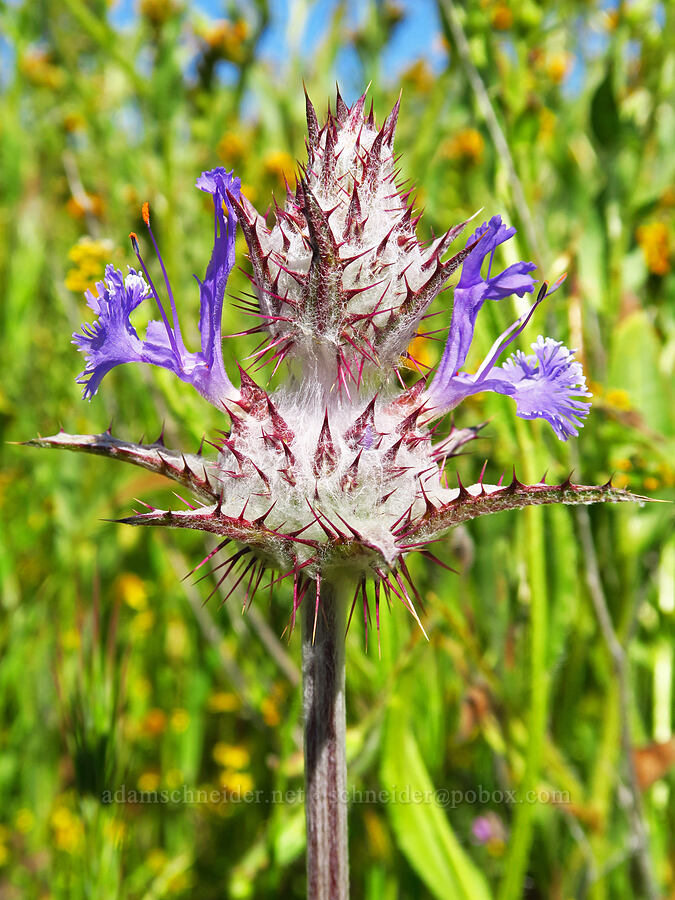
x=515, y=864
x=323, y=676
x=103, y=35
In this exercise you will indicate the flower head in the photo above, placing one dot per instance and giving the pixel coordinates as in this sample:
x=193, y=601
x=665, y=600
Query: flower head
x=341, y=278
x=337, y=474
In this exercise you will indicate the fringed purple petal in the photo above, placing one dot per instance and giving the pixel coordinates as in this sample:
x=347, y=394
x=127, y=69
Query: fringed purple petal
x=493, y=233
x=547, y=385
x=514, y=280
x=110, y=340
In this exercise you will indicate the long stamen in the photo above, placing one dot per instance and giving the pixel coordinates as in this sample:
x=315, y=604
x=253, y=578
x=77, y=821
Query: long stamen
x=492, y=256
x=174, y=312
x=172, y=340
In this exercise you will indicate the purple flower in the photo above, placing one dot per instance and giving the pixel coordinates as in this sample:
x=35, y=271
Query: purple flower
x=544, y=385
x=482, y=829
x=111, y=340
x=473, y=290
x=488, y=828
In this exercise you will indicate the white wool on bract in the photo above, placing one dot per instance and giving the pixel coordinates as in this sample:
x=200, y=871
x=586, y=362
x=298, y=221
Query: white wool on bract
x=365, y=505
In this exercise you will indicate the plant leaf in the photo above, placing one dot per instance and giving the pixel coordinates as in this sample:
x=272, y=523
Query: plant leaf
x=190, y=469
x=422, y=829
x=480, y=500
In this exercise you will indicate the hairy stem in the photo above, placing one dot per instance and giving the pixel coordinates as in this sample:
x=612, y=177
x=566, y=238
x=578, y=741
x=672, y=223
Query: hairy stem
x=323, y=674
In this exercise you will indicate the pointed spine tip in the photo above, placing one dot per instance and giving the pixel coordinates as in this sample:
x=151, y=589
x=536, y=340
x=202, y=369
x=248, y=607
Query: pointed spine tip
x=463, y=493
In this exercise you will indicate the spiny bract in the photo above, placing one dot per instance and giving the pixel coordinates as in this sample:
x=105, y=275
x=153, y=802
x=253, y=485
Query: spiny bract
x=337, y=475
x=341, y=280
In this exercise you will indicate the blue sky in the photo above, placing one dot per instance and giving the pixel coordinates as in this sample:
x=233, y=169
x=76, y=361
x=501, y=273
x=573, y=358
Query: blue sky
x=414, y=37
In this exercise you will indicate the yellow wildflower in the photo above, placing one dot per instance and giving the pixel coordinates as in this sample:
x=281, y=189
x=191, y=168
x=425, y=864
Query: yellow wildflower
x=157, y=12
x=223, y=701
x=270, y=712
x=149, y=781
x=227, y=39
x=466, y=146
x=557, y=65
x=142, y=623
x=379, y=844
x=249, y=191
x=236, y=782
x=547, y=123
x=502, y=17
x=173, y=778
x=130, y=588
x=618, y=398
x=231, y=148
x=667, y=474
x=37, y=68
x=611, y=19
x=156, y=859
x=180, y=720
x=654, y=242
x=78, y=207
x=280, y=165
x=74, y=121
x=177, y=638
x=496, y=846
x=420, y=350
x=67, y=829
x=154, y=722
x=70, y=639
x=89, y=258
x=420, y=76
x=231, y=756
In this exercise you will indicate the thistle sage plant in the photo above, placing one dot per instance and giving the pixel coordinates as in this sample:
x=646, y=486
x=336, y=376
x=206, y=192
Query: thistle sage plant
x=334, y=478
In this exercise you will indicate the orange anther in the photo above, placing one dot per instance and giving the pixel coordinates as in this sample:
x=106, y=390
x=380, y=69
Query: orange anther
x=145, y=212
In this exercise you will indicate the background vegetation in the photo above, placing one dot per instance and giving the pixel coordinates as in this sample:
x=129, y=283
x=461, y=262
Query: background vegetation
x=112, y=670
